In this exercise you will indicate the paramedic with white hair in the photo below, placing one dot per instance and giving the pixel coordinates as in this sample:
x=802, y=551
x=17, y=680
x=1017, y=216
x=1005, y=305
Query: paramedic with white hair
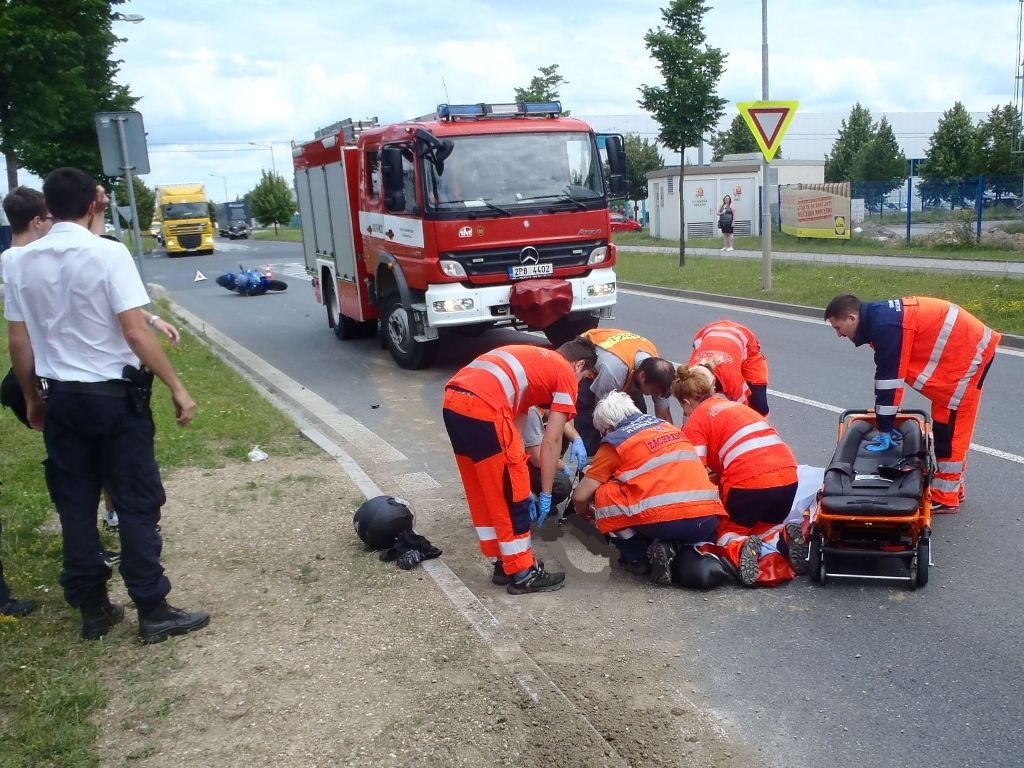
x=648, y=489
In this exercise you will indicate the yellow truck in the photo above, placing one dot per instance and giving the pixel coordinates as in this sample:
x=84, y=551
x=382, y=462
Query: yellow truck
x=182, y=219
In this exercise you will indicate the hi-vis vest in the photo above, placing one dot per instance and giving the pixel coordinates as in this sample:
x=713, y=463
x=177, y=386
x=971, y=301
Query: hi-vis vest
x=659, y=478
x=944, y=348
x=934, y=346
x=623, y=344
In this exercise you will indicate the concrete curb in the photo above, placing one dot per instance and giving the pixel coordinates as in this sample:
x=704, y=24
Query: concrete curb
x=1010, y=340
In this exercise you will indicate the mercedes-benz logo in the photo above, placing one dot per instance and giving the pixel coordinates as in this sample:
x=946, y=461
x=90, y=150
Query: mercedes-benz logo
x=529, y=255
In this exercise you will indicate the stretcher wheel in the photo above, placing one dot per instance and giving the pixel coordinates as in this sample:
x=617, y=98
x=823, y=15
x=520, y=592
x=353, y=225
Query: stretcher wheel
x=924, y=551
x=822, y=573
x=814, y=559
x=914, y=571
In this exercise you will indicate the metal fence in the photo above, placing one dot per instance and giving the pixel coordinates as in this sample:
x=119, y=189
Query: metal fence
x=921, y=206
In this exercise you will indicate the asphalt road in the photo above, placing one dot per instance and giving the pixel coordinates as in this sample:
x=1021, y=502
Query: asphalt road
x=851, y=675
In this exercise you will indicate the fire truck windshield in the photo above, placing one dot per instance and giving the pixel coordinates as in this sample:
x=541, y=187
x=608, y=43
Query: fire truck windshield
x=185, y=211
x=491, y=174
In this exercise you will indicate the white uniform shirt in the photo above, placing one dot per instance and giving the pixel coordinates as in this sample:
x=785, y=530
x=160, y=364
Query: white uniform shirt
x=68, y=288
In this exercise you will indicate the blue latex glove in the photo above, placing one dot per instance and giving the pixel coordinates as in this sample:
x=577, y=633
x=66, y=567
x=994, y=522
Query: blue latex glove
x=578, y=452
x=533, y=508
x=544, y=509
x=885, y=441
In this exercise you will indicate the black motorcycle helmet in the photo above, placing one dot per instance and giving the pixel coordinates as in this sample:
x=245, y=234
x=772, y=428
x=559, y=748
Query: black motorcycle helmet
x=380, y=521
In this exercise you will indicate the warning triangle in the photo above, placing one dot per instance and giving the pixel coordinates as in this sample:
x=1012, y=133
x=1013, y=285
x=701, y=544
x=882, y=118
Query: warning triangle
x=768, y=121
x=199, y=276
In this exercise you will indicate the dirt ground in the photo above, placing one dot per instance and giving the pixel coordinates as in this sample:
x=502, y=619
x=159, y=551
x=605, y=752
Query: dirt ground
x=318, y=654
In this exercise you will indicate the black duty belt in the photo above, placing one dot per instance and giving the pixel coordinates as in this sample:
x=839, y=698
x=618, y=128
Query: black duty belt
x=112, y=388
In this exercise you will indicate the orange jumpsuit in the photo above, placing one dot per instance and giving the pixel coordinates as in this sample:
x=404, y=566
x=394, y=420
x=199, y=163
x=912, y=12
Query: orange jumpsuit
x=741, y=367
x=747, y=454
x=481, y=403
x=943, y=352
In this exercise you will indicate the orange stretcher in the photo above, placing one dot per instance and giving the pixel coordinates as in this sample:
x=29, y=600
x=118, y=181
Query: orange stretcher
x=873, y=517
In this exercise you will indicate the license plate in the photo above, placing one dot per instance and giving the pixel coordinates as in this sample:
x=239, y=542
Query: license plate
x=530, y=270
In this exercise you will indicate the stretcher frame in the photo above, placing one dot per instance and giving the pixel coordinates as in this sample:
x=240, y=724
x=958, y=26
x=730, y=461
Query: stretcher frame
x=836, y=536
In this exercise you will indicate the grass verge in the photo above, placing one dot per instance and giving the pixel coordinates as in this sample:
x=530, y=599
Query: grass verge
x=285, y=234
x=49, y=684
x=998, y=301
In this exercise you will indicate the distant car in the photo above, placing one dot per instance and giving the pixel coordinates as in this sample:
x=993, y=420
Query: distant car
x=622, y=223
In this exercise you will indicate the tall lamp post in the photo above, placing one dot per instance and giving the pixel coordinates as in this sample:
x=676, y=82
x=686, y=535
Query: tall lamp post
x=270, y=146
x=766, y=213
x=225, y=180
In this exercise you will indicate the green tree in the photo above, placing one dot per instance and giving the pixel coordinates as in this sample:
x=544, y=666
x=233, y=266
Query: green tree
x=997, y=138
x=737, y=140
x=543, y=87
x=687, y=105
x=271, y=200
x=854, y=133
x=879, y=165
x=145, y=200
x=642, y=157
x=951, y=159
x=56, y=72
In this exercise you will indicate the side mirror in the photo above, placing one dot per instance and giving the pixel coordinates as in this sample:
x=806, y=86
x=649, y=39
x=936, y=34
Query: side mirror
x=616, y=149
x=391, y=177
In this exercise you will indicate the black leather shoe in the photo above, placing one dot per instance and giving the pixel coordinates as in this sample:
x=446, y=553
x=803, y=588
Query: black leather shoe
x=99, y=619
x=17, y=607
x=162, y=621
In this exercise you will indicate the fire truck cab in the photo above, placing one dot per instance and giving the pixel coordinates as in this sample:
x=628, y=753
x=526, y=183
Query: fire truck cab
x=440, y=226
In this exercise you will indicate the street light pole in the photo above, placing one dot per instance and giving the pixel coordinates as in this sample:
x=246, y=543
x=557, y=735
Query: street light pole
x=269, y=146
x=766, y=213
x=225, y=180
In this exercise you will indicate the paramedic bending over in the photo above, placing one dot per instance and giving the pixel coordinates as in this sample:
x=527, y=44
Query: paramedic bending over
x=755, y=469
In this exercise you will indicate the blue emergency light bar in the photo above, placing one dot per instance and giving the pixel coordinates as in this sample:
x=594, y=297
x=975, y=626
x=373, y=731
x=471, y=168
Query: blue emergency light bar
x=512, y=109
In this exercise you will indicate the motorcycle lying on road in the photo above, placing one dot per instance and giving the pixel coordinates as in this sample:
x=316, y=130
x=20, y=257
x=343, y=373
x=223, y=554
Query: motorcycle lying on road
x=250, y=282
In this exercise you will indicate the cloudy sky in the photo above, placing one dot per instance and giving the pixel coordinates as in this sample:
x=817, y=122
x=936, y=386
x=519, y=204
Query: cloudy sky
x=214, y=76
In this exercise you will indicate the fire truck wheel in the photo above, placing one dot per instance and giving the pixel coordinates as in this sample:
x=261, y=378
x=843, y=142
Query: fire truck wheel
x=397, y=327
x=345, y=328
x=569, y=327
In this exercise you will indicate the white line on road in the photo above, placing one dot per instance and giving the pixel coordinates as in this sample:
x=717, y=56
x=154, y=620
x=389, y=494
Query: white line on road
x=763, y=312
x=835, y=409
x=806, y=401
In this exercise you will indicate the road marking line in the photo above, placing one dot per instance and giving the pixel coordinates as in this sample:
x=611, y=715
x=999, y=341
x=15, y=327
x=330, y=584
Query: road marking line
x=763, y=312
x=834, y=409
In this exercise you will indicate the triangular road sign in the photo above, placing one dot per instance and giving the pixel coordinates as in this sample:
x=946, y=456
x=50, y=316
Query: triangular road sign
x=199, y=276
x=768, y=121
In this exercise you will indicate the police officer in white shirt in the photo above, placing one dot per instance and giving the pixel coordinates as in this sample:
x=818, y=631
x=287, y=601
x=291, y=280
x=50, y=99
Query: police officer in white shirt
x=74, y=305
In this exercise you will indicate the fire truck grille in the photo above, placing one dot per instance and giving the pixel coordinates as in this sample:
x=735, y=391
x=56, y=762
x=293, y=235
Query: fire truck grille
x=190, y=241
x=496, y=261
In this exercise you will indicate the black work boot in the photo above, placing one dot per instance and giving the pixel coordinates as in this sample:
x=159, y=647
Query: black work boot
x=99, y=615
x=536, y=580
x=499, y=577
x=160, y=621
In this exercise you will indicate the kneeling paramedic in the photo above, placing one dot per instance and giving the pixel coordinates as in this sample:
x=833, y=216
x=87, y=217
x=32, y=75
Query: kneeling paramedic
x=649, y=489
x=485, y=406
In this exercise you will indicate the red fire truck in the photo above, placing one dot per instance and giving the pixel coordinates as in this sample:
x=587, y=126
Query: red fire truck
x=478, y=216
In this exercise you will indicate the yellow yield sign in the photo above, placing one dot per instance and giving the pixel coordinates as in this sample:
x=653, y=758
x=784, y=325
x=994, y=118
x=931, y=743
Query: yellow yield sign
x=768, y=121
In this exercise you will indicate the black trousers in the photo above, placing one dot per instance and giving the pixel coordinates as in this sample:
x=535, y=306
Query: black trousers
x=93, y=442
x=749, y=506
